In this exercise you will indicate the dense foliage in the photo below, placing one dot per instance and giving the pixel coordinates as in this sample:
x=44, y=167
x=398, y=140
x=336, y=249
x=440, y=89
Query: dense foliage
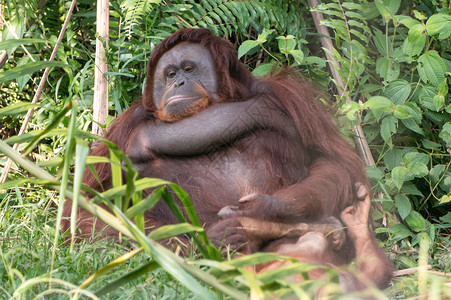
x=394, y=61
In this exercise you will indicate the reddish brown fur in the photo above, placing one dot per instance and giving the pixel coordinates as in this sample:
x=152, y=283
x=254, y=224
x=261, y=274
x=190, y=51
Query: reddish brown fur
x=311, y=180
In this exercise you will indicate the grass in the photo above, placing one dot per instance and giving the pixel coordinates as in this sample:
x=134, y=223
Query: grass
x=26, y=238
x=27, y=232
x=27, y=228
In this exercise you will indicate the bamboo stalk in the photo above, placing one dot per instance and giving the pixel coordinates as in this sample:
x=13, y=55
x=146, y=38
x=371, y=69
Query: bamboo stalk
x=100, y=105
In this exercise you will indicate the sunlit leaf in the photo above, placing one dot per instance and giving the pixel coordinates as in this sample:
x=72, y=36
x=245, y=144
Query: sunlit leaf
x=439, y=24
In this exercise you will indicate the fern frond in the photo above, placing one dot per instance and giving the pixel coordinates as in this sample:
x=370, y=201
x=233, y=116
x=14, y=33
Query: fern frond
x=227, y=17
x=134, y=10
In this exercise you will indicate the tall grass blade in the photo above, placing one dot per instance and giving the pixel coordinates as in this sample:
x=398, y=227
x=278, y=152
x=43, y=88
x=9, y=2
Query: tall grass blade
x=177, y=267
x=55, y=122
x=93, y=209
x=31, y=135
x=81, y=153
x=29, y=68
x=65, y=176
x=146, y=204
x=13, y=43
x=16, y=109
x=118, y=261
x=116, y=176
x=173, y=230
x=146, y=269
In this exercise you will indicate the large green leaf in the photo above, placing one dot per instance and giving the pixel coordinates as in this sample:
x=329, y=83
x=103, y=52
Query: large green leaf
x=379, y=103
x=403, y=205
x=415, y=42
x=387, y=68
x=416, y=221
x=398, y=91
x=439, y=24
x=399, y=175
x=245, y=47
x=431, y=68
x=29, y=68
x=445, y=134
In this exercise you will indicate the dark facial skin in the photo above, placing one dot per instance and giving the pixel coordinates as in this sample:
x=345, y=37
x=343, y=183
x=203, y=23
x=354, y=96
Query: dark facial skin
x=185, y=82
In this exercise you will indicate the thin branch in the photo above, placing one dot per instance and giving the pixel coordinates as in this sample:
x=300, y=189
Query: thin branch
x=409, y=271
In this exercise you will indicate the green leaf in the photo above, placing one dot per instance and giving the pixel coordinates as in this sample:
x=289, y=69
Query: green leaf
x=379, y=103
x=415, y=42
x=388, y=127
x=401, y=112
x=140, y=271
x=387, y=68
x=416, y=221
x=399, y=175
x=245, y=47
x=387, y=8
x=439, y=102
x=439, y=24
x=81, y=153
x=436, y=172
x=445, y=134
x=392, y=5
x=298, y=56
x=431, y=145
x=414, y=111
x=15, y=109
x=426, y=97
x=403, y=205
x=411, y=189
x=398, y=91
x=263, y=69
x=286, y=43
x=380, y=40
x=411, y=124
x=414, y=156
x=173, y=230
x=374, y=173
x=29, y=68
x=408, y=21
x=262, y=37
x=445, y=199
x=400, y=232
x=446, y=218
x=431, y=68
x=13, y=43
x=23, y=80
x=443, y=88
x=417, y=169
x=393, y=158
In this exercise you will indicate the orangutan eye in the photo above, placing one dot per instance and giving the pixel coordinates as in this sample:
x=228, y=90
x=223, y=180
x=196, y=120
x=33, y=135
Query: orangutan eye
x=171, y=74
